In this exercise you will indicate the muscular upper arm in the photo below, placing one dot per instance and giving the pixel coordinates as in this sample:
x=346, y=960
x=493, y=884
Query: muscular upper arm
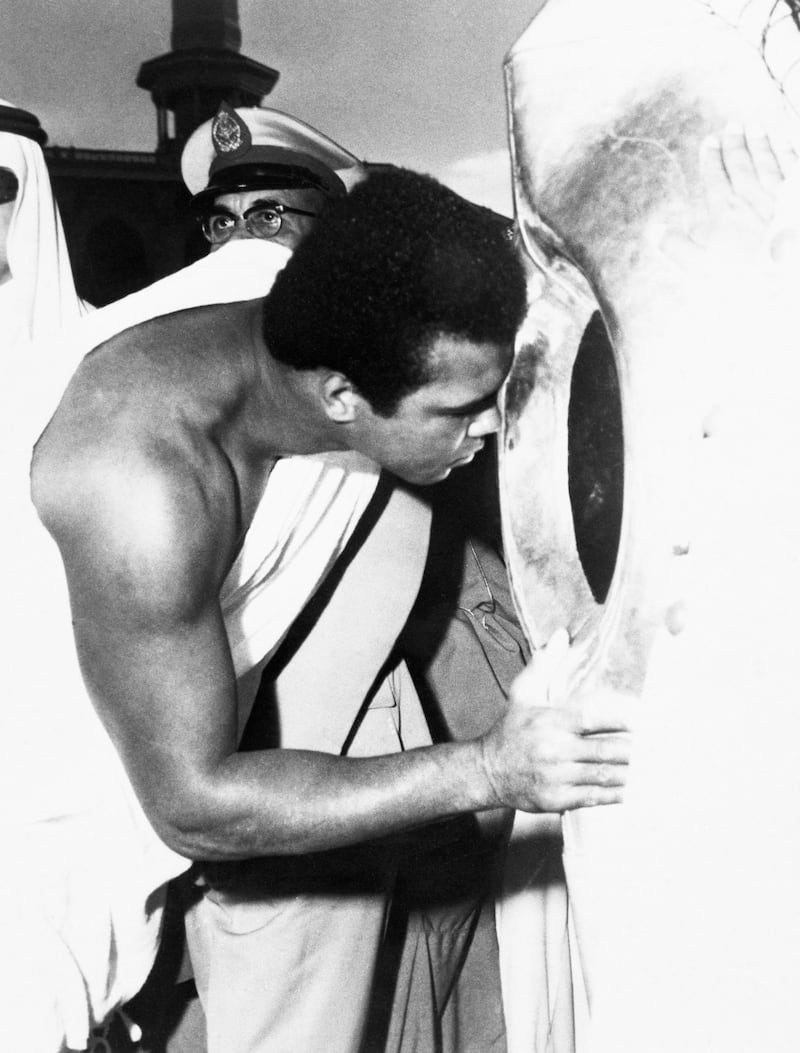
x=145, y=553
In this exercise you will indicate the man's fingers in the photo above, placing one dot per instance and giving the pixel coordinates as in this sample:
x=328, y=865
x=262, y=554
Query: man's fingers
x=608, y=775
x=591, y=797
x=747, y=174
x=775, y=156
x=716, y=182
x=605, y=711
x=730, y=177
x=765, y=168
x=604, y=749
x=752, y=169
x=747, y=167
x=582, y=786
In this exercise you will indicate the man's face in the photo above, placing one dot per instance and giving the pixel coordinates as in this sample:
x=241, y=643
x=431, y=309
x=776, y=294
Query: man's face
x=293, y=227
x=443, y=424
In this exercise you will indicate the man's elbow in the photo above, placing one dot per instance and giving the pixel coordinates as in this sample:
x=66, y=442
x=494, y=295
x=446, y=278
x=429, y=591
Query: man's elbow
x=202, y=832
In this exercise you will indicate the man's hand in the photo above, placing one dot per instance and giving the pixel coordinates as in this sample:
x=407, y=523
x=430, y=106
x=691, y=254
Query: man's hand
x=546, y=757
x=751, y=189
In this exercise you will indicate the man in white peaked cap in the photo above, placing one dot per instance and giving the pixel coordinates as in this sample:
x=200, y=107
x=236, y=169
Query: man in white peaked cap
x=263, y=149
x=238, y=159
x=260, y=173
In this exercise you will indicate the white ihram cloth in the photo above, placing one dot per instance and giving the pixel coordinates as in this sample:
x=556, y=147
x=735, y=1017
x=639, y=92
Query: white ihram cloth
x=243, y=269
x=88, y=869
x=40, y=296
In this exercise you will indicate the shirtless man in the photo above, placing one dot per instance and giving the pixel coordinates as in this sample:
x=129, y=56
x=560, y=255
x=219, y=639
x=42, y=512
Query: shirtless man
x=385, y=340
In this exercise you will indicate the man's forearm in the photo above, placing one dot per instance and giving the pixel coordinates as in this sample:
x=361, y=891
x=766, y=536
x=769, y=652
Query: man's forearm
x=277, y=802
x=208, y=801
x=538, y=758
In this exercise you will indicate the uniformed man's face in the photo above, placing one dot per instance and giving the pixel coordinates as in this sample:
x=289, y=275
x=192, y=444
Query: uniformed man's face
x=293, y=227
x=443, y=424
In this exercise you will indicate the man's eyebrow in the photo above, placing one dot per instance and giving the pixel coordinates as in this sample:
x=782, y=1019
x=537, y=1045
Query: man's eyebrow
x=260, y=202
x=478, y=406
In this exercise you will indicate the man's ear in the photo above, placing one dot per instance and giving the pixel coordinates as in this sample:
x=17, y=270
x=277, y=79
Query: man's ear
x=340, y=398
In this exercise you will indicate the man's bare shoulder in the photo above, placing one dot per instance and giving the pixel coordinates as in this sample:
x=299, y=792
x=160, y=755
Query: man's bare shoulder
x=152, y=394
x=129, y=476
x=194, y=319
x=147, y=518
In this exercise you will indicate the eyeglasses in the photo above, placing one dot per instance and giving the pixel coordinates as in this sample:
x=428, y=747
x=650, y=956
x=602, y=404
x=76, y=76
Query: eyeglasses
x=263, y=220
x=9, y=185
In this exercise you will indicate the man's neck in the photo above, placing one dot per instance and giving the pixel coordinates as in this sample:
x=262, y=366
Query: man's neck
x=280, y=416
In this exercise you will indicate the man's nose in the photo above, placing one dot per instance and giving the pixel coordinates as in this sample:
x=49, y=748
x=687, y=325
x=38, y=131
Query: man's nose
x=486, y=424
x=240, y=230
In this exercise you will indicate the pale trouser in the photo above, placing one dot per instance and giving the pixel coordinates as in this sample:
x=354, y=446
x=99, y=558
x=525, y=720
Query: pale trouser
x=300, y=980
x=284, y=950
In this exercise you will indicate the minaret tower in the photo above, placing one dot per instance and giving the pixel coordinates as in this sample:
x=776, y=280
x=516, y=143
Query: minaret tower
x=203, y=68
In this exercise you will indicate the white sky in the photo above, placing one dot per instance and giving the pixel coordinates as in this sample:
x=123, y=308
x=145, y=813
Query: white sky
x=414, y=82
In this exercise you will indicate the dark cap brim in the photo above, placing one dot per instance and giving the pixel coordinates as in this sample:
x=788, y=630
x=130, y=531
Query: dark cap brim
x=274, y=168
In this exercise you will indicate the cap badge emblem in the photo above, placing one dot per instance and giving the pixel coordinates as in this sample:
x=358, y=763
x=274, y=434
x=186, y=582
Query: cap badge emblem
x=229, y=134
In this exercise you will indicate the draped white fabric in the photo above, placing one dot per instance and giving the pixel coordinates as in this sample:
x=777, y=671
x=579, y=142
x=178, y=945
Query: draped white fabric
x=682, y=902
